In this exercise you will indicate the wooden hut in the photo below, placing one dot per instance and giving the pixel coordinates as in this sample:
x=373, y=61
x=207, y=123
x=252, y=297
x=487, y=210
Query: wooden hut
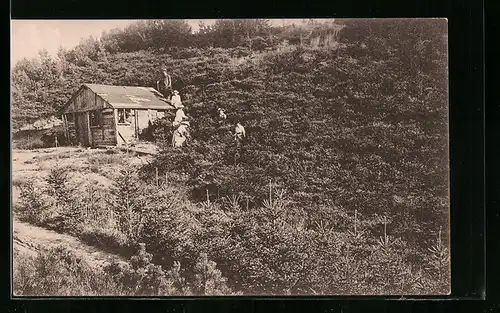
x=111, y=115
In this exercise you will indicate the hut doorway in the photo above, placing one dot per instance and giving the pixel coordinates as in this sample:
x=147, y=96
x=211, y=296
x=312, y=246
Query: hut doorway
x=83, y=128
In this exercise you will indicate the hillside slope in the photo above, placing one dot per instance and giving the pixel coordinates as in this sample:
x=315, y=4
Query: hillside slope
x=355, y=133
x=356, y=125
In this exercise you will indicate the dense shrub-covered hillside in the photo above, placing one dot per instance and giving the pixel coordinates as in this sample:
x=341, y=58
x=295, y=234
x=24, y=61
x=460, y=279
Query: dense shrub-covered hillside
x=351, y=127
x=346, y=127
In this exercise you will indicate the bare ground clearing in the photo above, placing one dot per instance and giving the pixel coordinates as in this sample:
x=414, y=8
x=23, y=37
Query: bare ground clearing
x=33, y=164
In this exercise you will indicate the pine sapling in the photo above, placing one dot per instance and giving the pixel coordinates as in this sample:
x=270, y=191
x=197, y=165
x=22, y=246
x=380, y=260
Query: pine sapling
x=355, y=223
x=126, y=201
x=356, y=235
x=385, y=241
x=32, y=204
x=275, y=209
x=324, y=230
x=232, y=203
x=439, y=257
x=270, y=193
x=209, y=279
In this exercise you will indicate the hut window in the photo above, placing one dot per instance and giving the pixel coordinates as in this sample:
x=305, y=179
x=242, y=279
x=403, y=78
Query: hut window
x=69, y=118
x=95, y=119
x=124, y=116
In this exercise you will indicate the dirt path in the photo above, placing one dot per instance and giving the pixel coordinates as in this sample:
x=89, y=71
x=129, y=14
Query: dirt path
x=29, y=239
x=28, y=164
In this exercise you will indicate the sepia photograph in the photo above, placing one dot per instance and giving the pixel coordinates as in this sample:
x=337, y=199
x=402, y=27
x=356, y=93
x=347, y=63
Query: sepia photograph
x=230, y=157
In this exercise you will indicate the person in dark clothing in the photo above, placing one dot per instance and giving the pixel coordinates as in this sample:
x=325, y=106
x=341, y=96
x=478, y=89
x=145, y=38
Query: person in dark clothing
x=164, y=85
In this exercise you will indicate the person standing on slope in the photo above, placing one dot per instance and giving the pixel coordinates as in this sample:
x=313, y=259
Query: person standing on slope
x=164, y=85
x=176, y=100
x=180, y=116
x=180, y=135
x=239, y=133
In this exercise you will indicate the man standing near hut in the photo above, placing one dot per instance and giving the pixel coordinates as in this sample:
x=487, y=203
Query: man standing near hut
x=166, y=87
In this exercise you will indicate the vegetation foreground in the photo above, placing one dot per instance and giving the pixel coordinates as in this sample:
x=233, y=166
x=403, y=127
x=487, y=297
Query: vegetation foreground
x=341, y=187
x=97, y=196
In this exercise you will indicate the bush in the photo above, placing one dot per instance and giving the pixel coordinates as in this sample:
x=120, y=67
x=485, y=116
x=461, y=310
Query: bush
x=139, y=277
x=170, y=229
x=59, y=272
x=34, y=203
x=108, y=239
x=208, y=279
x=28, y=143
x=126, y=201
x=272, y=247
x=68, y=210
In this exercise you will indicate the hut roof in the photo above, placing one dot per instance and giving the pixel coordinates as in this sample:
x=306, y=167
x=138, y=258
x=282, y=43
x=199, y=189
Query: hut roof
x=132, y=97
x=126, y=97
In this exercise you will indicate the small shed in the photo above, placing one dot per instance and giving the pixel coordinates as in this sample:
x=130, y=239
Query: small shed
x=111, y=115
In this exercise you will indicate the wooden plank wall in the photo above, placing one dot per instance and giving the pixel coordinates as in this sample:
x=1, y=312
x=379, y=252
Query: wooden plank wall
x=103, y=135
x=106, y=134
x=86, y=100
x=83, y=129
x=71, y=129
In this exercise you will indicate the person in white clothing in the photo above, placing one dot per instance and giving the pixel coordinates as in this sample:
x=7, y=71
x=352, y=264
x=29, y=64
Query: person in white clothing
x=239, y=133
x=178, y=140
x=179, y=116
x=183, y=128
x=176, y=99
x=180, y=135
x=222, y=114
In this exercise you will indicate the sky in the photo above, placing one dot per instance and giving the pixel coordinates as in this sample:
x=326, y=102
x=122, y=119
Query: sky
x=30, y=36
